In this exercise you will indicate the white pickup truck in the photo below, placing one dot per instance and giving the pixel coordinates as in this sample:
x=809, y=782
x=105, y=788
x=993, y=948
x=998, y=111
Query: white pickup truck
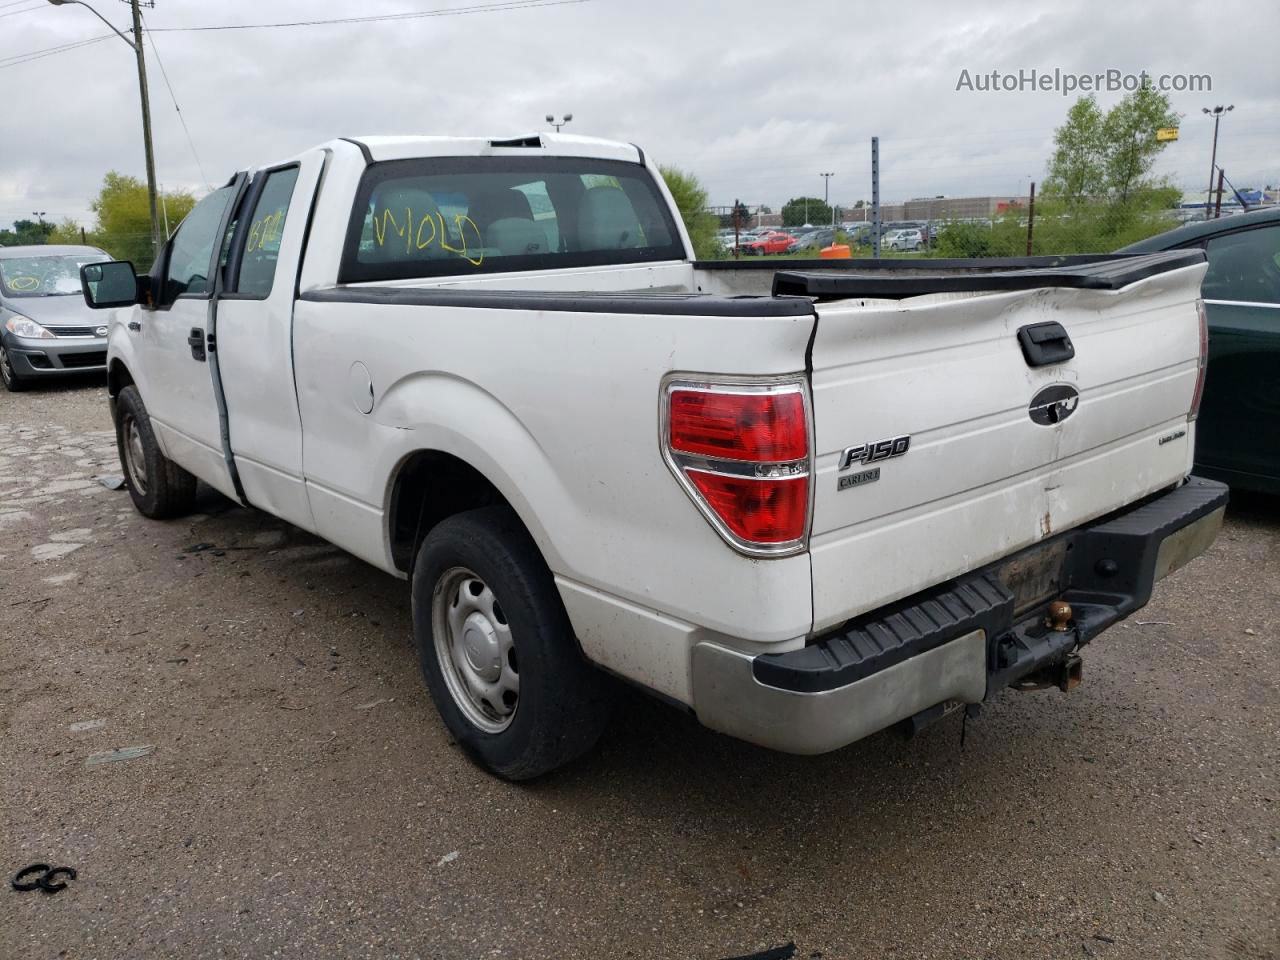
x=806, y=504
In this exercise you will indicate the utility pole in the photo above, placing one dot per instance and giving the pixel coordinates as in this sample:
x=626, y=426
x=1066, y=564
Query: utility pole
x=826, y=195
x=146, y=127
x=136, y=44
x=875, y=196
x=1216, y=113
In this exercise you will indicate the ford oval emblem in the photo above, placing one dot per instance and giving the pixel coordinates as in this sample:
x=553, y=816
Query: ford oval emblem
x=100, y=332
x=1054, y=404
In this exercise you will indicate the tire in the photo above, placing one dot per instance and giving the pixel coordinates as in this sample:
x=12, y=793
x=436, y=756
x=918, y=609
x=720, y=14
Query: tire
x=12, y=382
x=159, y=487
x=533, y=703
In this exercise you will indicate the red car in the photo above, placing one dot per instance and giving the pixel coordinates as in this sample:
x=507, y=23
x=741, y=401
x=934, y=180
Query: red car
x=775, y=241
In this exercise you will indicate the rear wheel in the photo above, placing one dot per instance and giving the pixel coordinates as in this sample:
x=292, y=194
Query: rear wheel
x=12, y=382
x=159, y=487
x=497, y=650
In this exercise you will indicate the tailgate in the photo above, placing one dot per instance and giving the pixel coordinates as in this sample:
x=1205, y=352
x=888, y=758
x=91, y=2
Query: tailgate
x=1001, y=452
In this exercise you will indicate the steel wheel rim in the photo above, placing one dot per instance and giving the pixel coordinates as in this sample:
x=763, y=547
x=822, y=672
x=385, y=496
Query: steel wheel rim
x=135, y=458
x=475, y=649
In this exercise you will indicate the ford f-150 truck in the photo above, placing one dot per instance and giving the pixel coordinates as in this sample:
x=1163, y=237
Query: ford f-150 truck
x=805, y=504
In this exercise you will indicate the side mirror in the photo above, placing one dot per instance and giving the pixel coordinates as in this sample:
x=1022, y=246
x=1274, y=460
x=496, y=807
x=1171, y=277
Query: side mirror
x=110, y=284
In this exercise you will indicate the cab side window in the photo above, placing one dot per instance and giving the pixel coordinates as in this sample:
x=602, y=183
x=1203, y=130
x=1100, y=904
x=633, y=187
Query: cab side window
x=189, y=270
x=1244, y=266
x=266, y=227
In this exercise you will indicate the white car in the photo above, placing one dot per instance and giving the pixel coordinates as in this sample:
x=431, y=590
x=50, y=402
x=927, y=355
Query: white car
x=903, y=240
x=803, y=504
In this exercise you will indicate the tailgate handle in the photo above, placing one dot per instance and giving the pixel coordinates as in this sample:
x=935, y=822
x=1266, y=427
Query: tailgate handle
x=1045, y=343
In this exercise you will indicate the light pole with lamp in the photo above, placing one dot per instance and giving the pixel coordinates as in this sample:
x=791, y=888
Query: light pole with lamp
x=136, y=45
x=560, y=123
x=1216, y=113
x=826, y=196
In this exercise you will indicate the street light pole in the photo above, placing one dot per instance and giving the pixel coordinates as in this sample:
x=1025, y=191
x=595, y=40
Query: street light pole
x=136, y=45
x=826, y=195
x=552, y=120
x=1216, y=113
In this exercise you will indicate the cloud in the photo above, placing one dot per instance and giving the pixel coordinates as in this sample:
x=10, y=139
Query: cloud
x=754, y=97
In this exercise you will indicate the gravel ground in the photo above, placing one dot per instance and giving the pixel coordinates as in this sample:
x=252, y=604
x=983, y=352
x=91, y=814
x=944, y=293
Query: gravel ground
x=303, y=800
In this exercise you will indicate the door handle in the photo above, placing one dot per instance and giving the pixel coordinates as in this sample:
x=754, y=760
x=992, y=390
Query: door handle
x=135, y=325
x=196, y=341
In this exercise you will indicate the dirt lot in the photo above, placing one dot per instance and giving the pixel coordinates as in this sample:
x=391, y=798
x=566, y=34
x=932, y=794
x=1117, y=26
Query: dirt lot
x=303, y=800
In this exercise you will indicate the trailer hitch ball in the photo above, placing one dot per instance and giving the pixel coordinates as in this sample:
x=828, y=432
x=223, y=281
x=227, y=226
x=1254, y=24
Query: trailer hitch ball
x=1059, y=618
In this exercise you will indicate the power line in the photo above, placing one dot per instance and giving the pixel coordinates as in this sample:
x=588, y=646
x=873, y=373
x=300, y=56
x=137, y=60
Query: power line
x=502, y=6
x=14, y=13
x=20, y=58
x=155, y=50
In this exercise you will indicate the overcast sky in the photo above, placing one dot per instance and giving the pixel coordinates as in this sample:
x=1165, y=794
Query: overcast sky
x=754, y=97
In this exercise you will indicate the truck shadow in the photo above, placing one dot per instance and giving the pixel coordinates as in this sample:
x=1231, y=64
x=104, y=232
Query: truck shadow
x=1259, y=510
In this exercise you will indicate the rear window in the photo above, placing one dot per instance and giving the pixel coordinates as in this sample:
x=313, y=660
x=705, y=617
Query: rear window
x=467, y=215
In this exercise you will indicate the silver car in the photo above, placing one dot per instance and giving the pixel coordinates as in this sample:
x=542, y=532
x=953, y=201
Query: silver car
x=46, y=328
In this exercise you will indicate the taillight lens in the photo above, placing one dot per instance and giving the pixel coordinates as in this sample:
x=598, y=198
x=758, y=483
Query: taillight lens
x=742, y=453
x=1204, y=361
x=755, y=427
x=760, y=511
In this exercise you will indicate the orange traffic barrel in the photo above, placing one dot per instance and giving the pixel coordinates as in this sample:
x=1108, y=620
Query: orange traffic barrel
x=837, y=251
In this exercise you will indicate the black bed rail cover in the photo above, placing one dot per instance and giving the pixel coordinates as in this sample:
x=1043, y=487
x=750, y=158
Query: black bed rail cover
x=895, y=279
x=656, y=302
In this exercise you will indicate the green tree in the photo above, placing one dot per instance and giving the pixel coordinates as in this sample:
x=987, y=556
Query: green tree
x=1100, y=193
x=123, y=215
x=68, y=231
x=25, y=232
x=795, y=210
x=1130, y=144
x=691, y=199
x=1077, y=169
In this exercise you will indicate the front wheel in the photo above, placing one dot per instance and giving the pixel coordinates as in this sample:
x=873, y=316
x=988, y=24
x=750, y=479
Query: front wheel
x=8, y=376
x=497, y=650
x=159, y=487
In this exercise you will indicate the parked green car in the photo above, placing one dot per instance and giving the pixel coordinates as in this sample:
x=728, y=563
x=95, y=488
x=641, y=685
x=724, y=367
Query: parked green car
x=1238, y=432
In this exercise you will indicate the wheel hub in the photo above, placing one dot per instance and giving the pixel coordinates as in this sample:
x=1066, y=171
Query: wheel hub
x=480, y=643
x=475, y=649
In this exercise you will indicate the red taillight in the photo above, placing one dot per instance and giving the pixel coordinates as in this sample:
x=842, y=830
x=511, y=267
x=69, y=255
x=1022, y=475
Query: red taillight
x=757, y=427
x=1204, y=362
x=742, y=453
x=761, y=511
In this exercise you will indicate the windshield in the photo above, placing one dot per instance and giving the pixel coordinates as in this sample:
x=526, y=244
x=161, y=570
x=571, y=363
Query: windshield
x=457, y=216
x=44, y=276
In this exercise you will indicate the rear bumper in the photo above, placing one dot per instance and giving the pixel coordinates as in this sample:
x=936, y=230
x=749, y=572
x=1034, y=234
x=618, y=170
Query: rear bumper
x=961, y=642
x=45, y=358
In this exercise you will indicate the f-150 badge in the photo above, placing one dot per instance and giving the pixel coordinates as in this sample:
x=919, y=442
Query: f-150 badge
x=869, y=453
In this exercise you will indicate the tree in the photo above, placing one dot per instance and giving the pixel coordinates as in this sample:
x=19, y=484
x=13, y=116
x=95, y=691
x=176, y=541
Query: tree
x=26, y=232
x=1109, y=155
x=68, y=231
x=1129, y=139
x=794, y=212
x=691, y=199
x=1076, y=171
x=1100, y=193
x=123, y=214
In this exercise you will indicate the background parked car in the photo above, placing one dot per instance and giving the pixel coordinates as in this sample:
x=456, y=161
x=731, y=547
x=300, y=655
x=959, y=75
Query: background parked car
x=46, y=328
x=773, y=242
x=904, y=240
x=1238, y=431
